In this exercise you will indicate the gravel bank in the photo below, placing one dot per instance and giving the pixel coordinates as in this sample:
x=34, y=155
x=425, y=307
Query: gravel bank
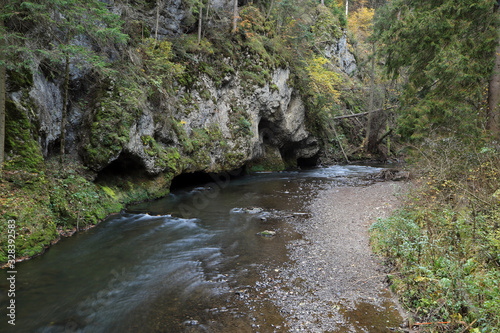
x=333, y=282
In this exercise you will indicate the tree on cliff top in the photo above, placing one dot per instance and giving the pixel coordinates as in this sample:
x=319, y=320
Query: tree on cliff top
x=446, y=49
x=2, y=88
x=10, y=59
x=75, y=32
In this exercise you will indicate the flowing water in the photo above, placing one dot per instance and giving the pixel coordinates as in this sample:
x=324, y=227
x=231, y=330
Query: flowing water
x=191, y=262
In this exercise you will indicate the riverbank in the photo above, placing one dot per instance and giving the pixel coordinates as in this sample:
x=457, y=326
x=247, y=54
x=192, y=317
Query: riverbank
x=334, y=282
x=57, y=201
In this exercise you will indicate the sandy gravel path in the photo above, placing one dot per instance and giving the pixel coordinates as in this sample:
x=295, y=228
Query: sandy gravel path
x=334, y=283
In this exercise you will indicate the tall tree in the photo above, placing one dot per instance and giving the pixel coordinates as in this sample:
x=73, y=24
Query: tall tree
x=235, y=15
x=200, y=20
x=493, y=114
x=10, y=46
x=371, y=133
x=2, y=88
x=158, y=6
x=446, y=50
x=68, y=22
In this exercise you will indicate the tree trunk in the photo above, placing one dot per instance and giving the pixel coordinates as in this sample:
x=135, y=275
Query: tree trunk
x=371, y=133
x=235, y=15
x=493, y=113
x=200, y=19
x=270, y=9
x=64, y=110
x=157, y=18
x=323, y=2
x=2, y=94
x=2, y=114
x=346, y=8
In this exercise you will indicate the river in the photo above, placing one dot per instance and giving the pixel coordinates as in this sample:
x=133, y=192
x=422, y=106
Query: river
x=190, y=262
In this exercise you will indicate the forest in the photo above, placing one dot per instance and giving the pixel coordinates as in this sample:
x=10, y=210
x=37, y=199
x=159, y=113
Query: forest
x=104, y=102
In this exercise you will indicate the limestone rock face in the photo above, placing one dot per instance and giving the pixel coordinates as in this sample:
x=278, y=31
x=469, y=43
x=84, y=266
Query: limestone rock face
x=340, y=51
x=170, y=20
x=174, y=14
x=246, y=119
x=47, y=97
x=216, y=124
x=211, y=128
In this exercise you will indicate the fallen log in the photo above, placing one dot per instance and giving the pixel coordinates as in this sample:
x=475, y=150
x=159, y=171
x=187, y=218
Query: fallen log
x=362, y=113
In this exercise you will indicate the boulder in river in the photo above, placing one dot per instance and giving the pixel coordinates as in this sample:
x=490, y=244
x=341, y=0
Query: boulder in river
x=251, y=210
x=393, y=174
x=267, y=233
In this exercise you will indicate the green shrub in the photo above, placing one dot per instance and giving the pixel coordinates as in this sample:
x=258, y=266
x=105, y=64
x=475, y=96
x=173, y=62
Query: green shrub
x=444, y=242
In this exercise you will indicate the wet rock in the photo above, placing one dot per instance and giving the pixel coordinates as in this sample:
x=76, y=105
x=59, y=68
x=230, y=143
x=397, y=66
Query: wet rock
x=252, y=210
x=393, y=174
x=191, y=322
x=255, y=210
x=267, y=233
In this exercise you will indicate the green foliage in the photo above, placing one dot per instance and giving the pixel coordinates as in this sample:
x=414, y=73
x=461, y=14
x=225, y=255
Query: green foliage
x=208, y=56
x=239, y=123
x=252, y=22
x=199, y=143
x=137, y=31
x=109, y=191
x=68, y=20
x=338, y=11
x=182, y=136
x=446, y=51
x=444, y=242
x=48, y=201
x=119, y=104
x=244, y=126
x=253, y=78
x=324, y=82
x=166, y=158
x=157, y=65
x=327, y=26
x=20, y=78
x=13, y=52
x=24, y=150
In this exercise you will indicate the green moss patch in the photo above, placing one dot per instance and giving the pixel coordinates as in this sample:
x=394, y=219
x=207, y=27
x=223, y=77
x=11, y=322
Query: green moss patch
x=22, y=150
x=271, y=161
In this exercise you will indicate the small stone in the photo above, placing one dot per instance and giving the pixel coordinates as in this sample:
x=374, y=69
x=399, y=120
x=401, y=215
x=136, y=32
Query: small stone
x=267, y=233
x=191, y=322
x=254, y=210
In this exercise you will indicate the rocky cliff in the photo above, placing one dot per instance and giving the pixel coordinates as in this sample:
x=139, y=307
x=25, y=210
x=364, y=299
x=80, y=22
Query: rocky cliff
x=213, y=123
x=216, y=129
x=167, y=106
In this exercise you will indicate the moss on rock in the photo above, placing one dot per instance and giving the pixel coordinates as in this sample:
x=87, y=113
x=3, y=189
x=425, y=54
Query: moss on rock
x=23, y=152
x=270, y=161
x=117, y=107
x=47, y=202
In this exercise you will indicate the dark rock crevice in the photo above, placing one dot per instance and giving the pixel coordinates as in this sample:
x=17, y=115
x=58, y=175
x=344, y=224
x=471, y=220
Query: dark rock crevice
x=126, y=165
x=221, y=179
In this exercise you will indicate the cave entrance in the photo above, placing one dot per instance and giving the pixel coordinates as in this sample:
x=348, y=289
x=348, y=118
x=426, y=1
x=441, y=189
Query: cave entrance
x=267, y=132
x=194, y=179
x=124, y=167
x=308, y=162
